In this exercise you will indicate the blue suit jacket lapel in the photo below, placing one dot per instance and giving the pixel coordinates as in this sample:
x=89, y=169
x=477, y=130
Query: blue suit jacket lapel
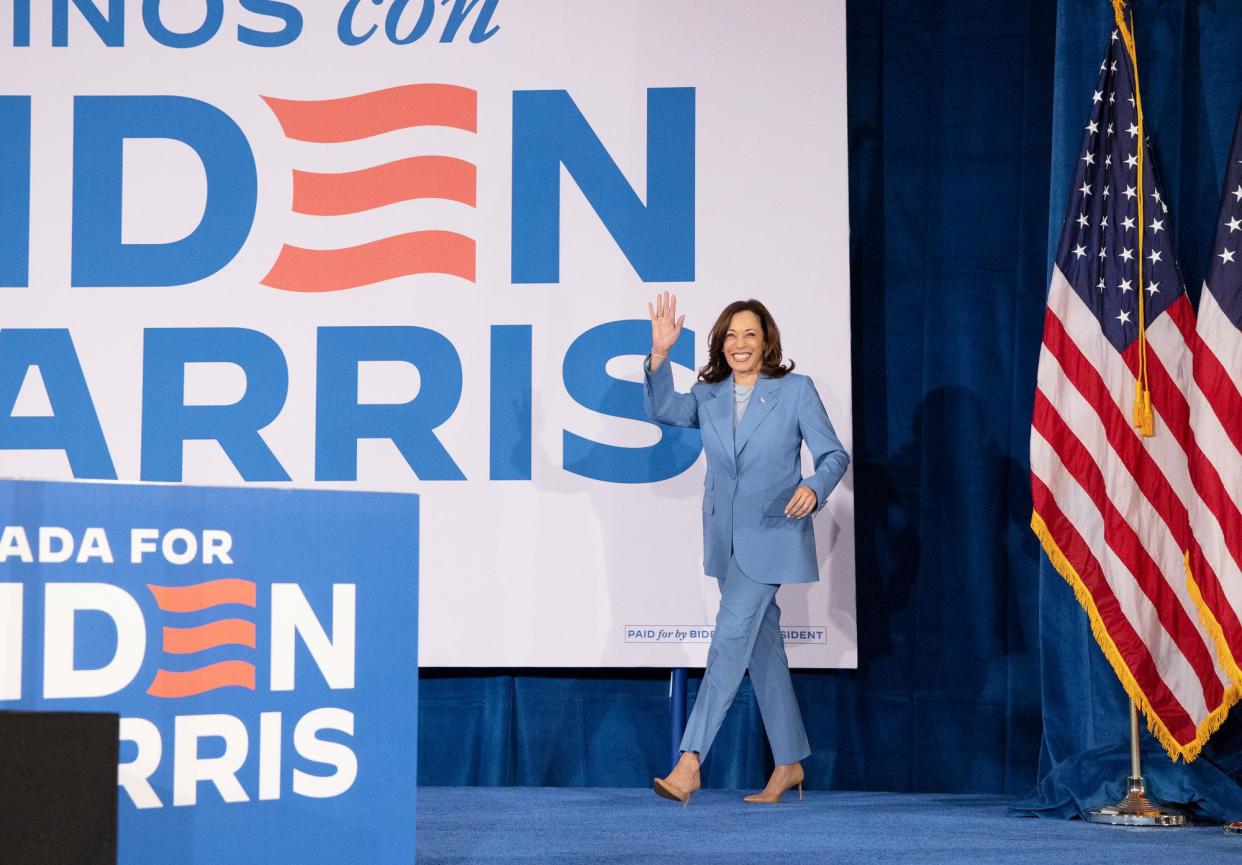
x=766, y=396
x=719, y=411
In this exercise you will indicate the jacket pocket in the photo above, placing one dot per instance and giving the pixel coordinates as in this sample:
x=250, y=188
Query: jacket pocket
x=775, y=508
x=709, y=504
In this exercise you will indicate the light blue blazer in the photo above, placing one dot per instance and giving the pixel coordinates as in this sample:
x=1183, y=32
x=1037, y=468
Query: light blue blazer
x=749, y=481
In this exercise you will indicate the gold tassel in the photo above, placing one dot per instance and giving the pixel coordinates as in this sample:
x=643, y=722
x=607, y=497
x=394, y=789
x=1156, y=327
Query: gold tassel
x=1144, y=420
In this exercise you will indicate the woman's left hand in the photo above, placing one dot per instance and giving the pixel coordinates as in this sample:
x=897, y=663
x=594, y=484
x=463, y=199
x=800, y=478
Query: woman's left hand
x=802, y=504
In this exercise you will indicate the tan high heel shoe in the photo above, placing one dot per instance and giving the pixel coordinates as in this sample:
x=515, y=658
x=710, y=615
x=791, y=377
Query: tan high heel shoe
x=665, y=789
x=772, y=793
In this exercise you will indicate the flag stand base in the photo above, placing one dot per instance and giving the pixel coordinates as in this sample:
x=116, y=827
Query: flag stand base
x=1135, y=808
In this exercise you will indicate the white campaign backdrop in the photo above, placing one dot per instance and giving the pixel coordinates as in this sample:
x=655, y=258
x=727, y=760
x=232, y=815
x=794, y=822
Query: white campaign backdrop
x=554, y=571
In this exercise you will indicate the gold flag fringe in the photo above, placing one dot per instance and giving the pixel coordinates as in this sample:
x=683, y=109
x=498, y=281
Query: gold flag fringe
x=1212, y=625
x=1211, y=723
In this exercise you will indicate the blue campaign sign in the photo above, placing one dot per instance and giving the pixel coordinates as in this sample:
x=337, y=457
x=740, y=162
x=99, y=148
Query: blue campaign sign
x=260, y=646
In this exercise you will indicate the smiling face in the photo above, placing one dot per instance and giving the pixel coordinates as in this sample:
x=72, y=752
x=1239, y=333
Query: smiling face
x=743, y=343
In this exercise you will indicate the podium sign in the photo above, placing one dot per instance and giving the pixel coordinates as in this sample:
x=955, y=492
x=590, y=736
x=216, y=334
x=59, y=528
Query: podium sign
x=260, y=646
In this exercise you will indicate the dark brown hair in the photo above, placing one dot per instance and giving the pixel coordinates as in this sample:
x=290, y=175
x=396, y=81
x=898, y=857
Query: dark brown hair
x=718, y=369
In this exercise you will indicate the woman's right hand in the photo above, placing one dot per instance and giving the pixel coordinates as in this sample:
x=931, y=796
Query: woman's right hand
x=665, y=326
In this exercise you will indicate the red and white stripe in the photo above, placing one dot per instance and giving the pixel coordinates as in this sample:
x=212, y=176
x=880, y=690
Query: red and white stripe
x=1215, y=406
x=1117, y=506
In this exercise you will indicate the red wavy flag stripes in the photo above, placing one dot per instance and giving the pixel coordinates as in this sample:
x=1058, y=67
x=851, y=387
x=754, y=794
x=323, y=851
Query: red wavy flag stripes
x=335, y=269
x=200, y=596
x=192, y=682
x=200, y=638
x=404, y=180
x=225, y=632
x=331, y=121
x=414, y=178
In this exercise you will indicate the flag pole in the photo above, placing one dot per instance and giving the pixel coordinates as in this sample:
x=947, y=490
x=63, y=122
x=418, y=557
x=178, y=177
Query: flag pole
x=1136, y=808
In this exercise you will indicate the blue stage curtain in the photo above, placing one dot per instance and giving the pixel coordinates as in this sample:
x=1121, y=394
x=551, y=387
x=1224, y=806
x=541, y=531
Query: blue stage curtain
x=977, y=670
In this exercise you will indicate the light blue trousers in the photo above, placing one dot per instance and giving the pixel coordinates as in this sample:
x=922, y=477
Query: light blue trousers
x=748, y=634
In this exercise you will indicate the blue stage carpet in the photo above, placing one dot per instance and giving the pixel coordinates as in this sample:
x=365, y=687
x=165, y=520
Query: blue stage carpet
x=591, y=825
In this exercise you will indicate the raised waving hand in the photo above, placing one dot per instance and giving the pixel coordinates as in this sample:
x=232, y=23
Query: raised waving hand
x=665, y=327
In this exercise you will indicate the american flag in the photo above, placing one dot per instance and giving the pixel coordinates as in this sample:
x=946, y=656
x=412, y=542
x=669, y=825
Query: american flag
x=1112, y=505
x=1216, y=421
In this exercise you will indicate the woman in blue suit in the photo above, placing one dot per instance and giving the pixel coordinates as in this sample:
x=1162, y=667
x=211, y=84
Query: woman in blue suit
x=755, y=414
